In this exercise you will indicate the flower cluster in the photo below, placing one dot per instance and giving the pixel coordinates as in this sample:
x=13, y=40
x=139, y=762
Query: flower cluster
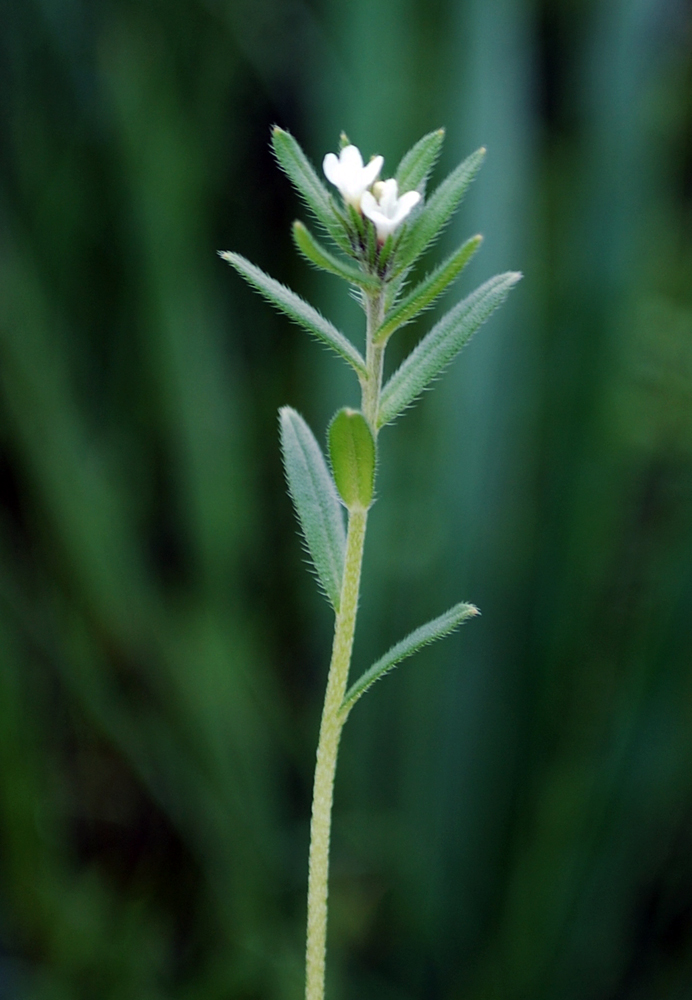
x=379, y=201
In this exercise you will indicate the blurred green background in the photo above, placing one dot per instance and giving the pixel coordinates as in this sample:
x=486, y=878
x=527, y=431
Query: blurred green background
x=514, y=808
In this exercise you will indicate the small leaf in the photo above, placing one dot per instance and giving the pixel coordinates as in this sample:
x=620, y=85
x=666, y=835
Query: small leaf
x=295, y=308
x=391, y=291
x=370, y=242
x=425, y=293
x=356, y=221
x=315, y=500
x=385, y=252
x=438, y=628
x=417, y=164
x=317, y=255
x=304, y=177
x=353, y=456
x=438, y=210
x=439, y=347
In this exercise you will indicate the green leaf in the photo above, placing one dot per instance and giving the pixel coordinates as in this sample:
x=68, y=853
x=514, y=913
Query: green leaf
x=441, y=344
x=304, y=177
x=357, y=222
x=425, y=293
x=438, y=628
x=317, y=255
x=297, y=309
x=353, y=457
x=416, y=165
x=316, y=502
x=370, y=242
x=385, y=252
x=438, y=210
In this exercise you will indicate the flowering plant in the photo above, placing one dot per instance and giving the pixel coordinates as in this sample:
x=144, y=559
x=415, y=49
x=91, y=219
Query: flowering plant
x=381, y=229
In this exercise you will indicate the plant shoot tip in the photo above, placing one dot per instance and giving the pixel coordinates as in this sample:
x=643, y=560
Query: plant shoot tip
x=363, y=225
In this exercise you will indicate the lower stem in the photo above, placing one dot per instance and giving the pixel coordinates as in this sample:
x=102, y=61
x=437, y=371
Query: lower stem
x=327, y=750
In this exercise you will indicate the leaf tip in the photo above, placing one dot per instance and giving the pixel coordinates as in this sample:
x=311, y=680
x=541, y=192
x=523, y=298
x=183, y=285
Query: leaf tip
x=285, y=415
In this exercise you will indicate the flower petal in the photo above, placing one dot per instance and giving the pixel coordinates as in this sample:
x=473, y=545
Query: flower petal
x=409, y=200
x=371, y=171
x=332, y=169
x=388, y=197
x=404, y=206
x=369, y=205
x=351, y=161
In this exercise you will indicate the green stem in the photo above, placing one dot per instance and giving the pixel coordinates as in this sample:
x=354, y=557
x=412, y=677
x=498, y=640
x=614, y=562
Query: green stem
x=374, y=358
x=332, y=723
x=330, y=733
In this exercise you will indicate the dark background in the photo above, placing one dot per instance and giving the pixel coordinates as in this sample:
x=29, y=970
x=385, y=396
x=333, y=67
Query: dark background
x=513, y=815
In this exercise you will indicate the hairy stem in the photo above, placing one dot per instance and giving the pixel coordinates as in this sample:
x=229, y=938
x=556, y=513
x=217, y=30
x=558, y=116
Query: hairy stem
x=330, y=733
x=374, y=358
x=332, y=723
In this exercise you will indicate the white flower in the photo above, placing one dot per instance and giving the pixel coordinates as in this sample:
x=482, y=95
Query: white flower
x=349, y=175
x=385, y=208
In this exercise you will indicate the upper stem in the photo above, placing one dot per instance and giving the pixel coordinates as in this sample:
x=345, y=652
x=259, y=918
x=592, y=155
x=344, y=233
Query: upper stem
x=374, y=358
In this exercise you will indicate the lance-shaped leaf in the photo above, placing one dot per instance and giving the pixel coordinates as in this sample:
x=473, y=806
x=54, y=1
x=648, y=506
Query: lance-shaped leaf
x=386, y=252
x=297, y=309
x=438, y=628
x=316, y=502
x=416, y=165
x=426, y=292
x=439, y=347
x=317, y=255
x=304, y=177
x=438, y=210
